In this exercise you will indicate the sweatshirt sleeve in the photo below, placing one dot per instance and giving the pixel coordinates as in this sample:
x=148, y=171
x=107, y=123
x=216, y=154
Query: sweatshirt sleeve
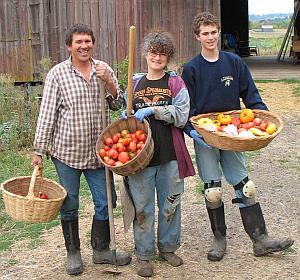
x=248, y=90
x=178, y=112
x=188, y=77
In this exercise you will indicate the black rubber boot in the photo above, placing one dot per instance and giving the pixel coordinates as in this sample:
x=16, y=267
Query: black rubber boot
x=217, y=221
x=254, y=224
x=72, y=242
x=100, y=238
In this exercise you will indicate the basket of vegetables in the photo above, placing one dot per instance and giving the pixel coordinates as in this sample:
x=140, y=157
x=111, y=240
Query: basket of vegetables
x=125, y=146
x=238, y=130
x=32, y=198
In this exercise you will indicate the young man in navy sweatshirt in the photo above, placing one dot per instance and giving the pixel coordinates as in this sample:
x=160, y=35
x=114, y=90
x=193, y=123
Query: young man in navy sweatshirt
x=216, y=81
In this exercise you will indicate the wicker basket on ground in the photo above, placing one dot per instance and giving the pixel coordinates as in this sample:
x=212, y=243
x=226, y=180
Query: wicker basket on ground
x=228, y=142
x=142, y=159
x=20, y=195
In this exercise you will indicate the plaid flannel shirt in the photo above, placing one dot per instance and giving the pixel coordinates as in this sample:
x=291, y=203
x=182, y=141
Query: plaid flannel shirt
x=70, y=121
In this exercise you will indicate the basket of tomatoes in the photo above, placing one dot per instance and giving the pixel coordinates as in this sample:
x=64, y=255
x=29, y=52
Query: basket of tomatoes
x=32, y=198
x=126, y=146
x=238, y=130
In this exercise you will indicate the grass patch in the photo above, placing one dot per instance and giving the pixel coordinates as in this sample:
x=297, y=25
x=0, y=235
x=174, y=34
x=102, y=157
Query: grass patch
x=287, y=81
x=283, y=162
x=296, y=90
x=11, y=262
x=199, y=188
x=14, y=164
x=118, y=212
x=290, y=251
x=249, y=156
x=266, y=81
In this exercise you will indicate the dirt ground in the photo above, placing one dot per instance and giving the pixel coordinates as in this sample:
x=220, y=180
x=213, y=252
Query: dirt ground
x=275, y=170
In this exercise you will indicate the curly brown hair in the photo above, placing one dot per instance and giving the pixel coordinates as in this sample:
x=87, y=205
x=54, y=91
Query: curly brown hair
x=204, y=18
x=159, y=42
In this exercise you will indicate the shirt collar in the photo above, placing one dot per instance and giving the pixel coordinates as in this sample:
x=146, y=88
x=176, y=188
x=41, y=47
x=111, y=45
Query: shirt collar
x=69, y=61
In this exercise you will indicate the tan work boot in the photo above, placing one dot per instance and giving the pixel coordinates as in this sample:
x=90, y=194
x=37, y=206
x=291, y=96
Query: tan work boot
x=171, y=258
x=145, y=268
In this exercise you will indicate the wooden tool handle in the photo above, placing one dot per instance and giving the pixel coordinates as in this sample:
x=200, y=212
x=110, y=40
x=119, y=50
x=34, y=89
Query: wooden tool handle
x=102, y=102
x=130, y=71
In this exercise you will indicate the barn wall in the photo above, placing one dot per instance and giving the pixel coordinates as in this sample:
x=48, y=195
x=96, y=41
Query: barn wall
x=32, y=29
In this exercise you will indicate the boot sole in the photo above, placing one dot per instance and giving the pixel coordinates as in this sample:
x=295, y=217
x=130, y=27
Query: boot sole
x=269, y=251
x=110, y=262
x=75, y=271
x=215, y=259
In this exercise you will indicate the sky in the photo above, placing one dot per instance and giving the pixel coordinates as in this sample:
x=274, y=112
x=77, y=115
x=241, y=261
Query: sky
x=259, y=7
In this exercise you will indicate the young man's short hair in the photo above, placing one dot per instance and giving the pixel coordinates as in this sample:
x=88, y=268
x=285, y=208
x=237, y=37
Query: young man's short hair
x=204, y=18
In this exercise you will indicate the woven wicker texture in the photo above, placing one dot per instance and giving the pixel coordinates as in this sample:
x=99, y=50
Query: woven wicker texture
x=228, y=142
x=23, y=207
x=142, y=159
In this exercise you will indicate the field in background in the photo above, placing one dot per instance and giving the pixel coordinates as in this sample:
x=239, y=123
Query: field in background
x=268, y=43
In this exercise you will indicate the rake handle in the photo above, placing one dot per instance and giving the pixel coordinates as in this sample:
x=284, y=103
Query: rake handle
x=130, y=70
x=107, y=175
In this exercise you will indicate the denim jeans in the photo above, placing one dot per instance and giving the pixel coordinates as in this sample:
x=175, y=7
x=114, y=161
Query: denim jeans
x=169, y=188
x=212, y=163
x=70, y=179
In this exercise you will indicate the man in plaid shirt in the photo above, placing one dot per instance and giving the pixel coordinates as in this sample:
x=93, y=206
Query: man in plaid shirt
x=68, y=126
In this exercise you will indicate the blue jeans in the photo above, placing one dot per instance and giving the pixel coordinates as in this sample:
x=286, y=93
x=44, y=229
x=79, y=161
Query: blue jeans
x=212, y=163
x=70, y=179
x=169, y=188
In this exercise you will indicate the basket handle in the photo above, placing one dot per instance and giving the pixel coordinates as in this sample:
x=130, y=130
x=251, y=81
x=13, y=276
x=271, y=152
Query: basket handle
x=30, y=194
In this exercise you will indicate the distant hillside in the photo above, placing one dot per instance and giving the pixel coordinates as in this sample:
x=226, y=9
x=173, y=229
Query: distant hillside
x=269, y=17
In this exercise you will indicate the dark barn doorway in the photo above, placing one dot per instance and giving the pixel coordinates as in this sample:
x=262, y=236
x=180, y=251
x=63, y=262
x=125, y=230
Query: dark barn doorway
x=235, y=26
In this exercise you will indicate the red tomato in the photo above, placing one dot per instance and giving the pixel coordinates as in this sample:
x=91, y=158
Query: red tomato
x=139, y=145
x=123, y=157
x=114, y=146
x=132, y=146
x=126, y=141
x=102, y=153
x=139, y=132
x=142, y=137
x=112, y=153
x=257, y=121
x=248, y=125
x=111, y=162
x=106, y=148
x=106, y=159
x=116, y=137
x=263, y=126
x=132, y=135
x=120, y=147
x=236, y=121
x=42, y=195
x=108, y=141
